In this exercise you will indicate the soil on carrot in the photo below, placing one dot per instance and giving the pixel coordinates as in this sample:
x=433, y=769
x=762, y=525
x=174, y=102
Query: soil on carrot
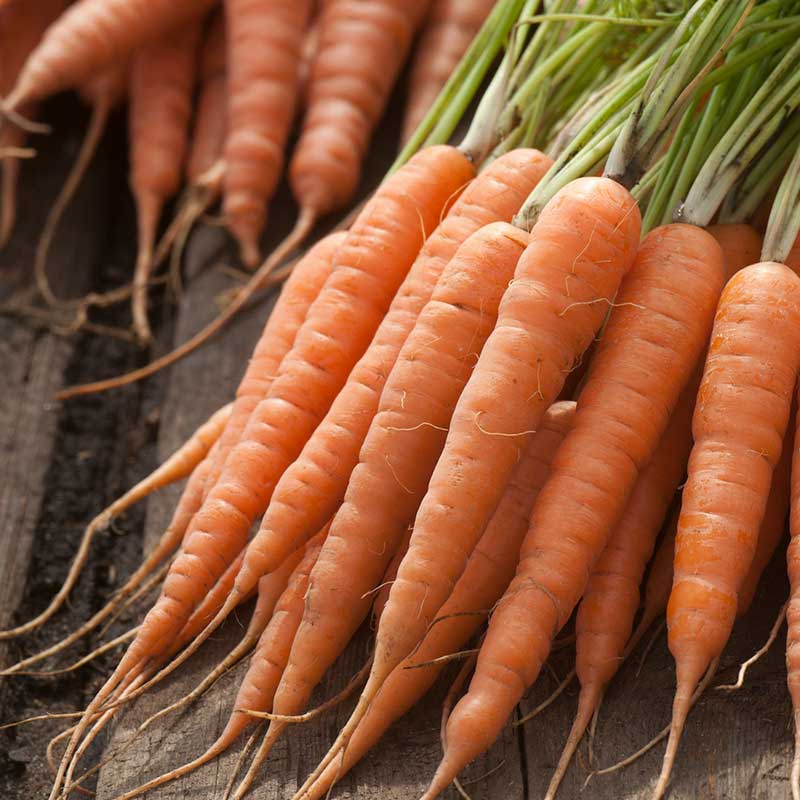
x=103, y=445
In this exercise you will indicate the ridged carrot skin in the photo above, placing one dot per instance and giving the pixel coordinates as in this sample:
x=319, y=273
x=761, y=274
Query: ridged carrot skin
x=312, y=488
x=739, y=425
x=92, y=35
x=489, y=571
x=447, y=32
x=654, y=338
x=347, y=94
x=265, y=41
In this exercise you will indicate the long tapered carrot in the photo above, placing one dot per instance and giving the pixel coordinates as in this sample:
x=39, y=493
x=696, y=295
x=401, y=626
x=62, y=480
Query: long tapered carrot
x=162, y=79
x=398, y=457
x=655, y=336
x=276, y=340
x=267, y=661
x=447, y=31
x=488, y=572
x=313, y=487
x=739, y=424
x=606, y=613
x=346, y=96
x=582, y=245
x=370, y=265
x=176, y=467
x=265, y=41
x=92, y=35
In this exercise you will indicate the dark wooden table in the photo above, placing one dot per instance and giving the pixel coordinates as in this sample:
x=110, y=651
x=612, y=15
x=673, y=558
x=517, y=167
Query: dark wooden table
x=60, y=464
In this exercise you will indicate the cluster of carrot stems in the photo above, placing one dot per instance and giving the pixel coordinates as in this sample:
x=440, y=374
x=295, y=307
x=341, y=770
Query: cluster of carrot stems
x=692, y=106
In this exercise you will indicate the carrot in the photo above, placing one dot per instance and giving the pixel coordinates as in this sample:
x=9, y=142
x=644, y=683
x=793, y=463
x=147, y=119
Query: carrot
x=389, y=577
x=362, y=46
x=313, y=487
x=102, y=94
x=397, y=458
x=446, y=34
x=370, y=265
x=654, y=337
x=488, y=573
x=22, y=24
x=267, y=662
x=773, y=525
x=265, y=42
x=741, y=245
x=92, y=35
x=739, y=424
x=793, y=610
x=178, y=466
x=162, y=82
x=276, y=340
x=582, y=245
x=607, y=610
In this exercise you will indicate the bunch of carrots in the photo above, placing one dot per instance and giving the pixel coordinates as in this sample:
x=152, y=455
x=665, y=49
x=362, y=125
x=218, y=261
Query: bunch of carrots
x=213, y=92
x=474, y=410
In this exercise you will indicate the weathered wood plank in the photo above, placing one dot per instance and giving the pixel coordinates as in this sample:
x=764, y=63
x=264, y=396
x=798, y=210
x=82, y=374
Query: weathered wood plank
x=736, y=745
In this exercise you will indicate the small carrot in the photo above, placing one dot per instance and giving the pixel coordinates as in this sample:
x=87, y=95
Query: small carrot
x=583, y=243
x=313, y=487
x=397, y=458
x=739, y=425
x=488, y=573
x=93, y=35
x=606, y=613
x=447, y=32
x=654, y=337
x=162, y=80
x=265, y=40
x=178, y=466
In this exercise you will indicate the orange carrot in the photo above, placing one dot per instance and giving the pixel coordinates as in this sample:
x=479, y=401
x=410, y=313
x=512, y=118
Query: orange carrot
x=92, y=35
x=277, y=339
x=446, y=34
x=398, y=457
x=488, y=573
x=285, y=610
x=313, y=487
x=654, y=337
x=740, y=243
x=347, y=93
x=607, y=610
x=162, y=82
x=579, y=250
x=265, y=39
x=739, y=425
x=370, y=265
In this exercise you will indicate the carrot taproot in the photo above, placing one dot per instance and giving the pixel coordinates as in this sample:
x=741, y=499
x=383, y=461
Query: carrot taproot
x=739, y=425
x=773, y=524
x=92, y=35
x=22, y=25
x=266, y=663
x=397, y=458
x=606, y=612
x=446, y=33
x=313, y=487
x=265, y=39
x=176, y=467
x=346, y=96
x=102, y=93
x=488, y=573
x=276, y=340
x=583, y=243
x=654, y=338
x=741, y=245
x=793, y=609
x=370, y=265
x=162, y=79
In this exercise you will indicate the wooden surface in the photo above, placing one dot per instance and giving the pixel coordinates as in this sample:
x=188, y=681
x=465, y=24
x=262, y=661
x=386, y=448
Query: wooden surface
x=60, y=465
